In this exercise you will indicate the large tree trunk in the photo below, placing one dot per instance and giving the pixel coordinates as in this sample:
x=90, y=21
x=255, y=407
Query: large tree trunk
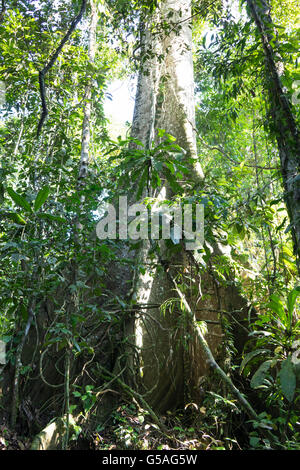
x=170, y=359
x=164, y=100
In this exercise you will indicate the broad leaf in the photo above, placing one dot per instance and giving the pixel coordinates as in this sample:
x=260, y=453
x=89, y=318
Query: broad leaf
x=142, y=183
x=55, y=218
x=287, y=379
x=19, y=200
x=250, y=356
x=276, y=306
x=292, y=300
x=260, y=375
x=41, y=197
x=16, y=218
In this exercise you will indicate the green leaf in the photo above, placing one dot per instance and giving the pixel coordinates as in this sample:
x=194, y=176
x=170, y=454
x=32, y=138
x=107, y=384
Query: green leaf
x=76, y=345
x=41, y=197
x=16, y=217
x=55, y=218
x=238, y=229
x=254, y=441
x=292, y=300
x=287, y=379
x=250, y=356
x=6, y=338
x=142, y=182
x=160, y=132
x=170, y=137
x=175, y=186
x=276, y=306
x=260, y=375
x=19, y=200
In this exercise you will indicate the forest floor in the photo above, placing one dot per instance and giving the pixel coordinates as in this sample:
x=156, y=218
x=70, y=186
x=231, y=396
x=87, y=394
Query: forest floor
x=127, y=430
x=11, y=440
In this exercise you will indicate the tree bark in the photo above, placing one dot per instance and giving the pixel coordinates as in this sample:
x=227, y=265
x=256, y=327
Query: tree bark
x=85, y=138
x=164, y=100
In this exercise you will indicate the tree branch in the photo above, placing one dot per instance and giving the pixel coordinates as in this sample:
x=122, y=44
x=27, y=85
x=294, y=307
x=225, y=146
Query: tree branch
x=225, y=154
x=3, y=10
x=51, y=62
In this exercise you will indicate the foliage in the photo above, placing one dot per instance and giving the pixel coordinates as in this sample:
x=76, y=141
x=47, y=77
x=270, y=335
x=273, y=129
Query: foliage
x=275, y=341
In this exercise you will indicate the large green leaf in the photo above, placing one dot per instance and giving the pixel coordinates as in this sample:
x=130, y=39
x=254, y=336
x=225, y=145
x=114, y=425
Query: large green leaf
x=277, y=307
x=41, y=197
x=260, y=375
x=19, y=200
x=287, y=379
x=16, y=217
x=250, y=356
x=175, y=186
x=55, y=218
x=142, y=183
x=292, y=300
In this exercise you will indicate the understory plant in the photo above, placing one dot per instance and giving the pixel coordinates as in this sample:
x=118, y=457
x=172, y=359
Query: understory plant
x=273, y=367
